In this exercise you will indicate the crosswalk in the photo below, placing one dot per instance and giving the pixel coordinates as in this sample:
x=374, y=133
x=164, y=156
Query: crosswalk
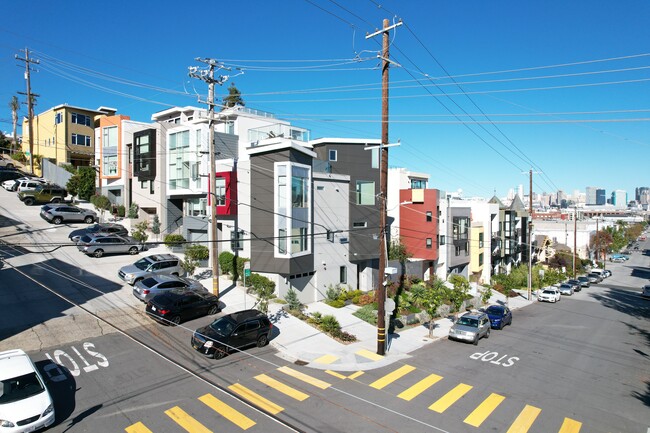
x=282, y=381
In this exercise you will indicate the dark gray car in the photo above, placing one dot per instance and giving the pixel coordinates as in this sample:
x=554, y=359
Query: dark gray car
x=97, y=245
x=470, y=327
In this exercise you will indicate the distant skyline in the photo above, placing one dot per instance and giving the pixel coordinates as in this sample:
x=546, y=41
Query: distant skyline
x=480, y=92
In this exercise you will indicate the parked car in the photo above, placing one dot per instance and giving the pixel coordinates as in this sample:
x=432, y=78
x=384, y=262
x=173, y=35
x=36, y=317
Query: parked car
x=157, y=264
x=607, y=273
x=97, y=245
x=149, y=287
x=470, y=327
x=11, y=175
x=31, y=184
x=101, y=228
x=67, y=213
x=25, y=403
x=46, y=194
x=584, y=281
x=232, y=331
x=5, y=162
x=645, y=291
x=594, y=279
x=566, y=289
x=619, y=257
x=176, y=306
x=576, y=285
x=549, y=294
x=499, y=316
x=599, y=277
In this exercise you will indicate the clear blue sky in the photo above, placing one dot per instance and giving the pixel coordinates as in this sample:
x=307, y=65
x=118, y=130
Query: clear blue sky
x=563, y=84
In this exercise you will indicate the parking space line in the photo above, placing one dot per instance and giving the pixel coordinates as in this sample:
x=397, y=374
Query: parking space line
x=484, y=410
x=228, y=412
x=184, y=420
x=525, y=419
x=256, y=399
x=138, y=427
x=419, y=387
x=304, y=377
x=570, y=426
x=450, y=398
x=392, y=377
x=281, y=387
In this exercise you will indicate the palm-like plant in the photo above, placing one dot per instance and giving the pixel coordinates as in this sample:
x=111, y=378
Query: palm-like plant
x=15, y=106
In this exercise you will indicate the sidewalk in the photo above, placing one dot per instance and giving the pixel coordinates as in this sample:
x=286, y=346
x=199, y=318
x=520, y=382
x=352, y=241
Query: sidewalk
x=300, y=342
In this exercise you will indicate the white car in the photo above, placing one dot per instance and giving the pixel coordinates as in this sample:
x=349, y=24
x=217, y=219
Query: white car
x=8, y=184
x=25, y=403
x=549, y=294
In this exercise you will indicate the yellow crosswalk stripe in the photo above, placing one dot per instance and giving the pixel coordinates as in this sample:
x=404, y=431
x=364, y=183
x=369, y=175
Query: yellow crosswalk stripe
x=392, y=377
x=304, y=377
x=281, y=387
x=326, y=359
x=183, y=419
x=525, y=419
x=355, y=375
x=419, y=387
x=450, y=398
x=256, y=399
x=335, y=374
x=571, y=426
x=138, y=427
x=228, y=412
x=484, y=410
x=370, y=355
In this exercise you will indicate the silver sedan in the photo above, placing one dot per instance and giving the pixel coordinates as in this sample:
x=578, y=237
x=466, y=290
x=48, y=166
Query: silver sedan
x=147, y=288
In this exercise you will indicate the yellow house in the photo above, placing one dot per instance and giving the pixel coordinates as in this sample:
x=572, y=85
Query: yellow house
x=65, y=134
x=477, y=251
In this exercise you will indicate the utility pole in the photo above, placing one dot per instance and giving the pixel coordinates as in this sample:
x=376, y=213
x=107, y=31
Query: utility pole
x=207, y=75
x=530, y=233
x=383, y=181
x=575, y=239
x=30, y=103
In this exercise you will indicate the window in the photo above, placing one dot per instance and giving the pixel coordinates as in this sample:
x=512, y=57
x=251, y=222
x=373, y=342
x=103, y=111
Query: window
x=282, y=241
x=220, y=191
x=467, y=248
x=109, y=136
x=332, y=155
x=359, y=224
x=230, y=127
x=80, y=119
x=480, y=259
x=330, y=236
x=58, y=118
x=418, y=184
x=236, y=240
x=442, y=240
x=179, y=165
x=375, y=156
x=110, y=165
x=343, y=275
x=196, y=207
x=298, y=239
x=365, y=193
x=457, y=250
x=299, y=190
x=429, y=243
x=429, y=216
x=460, y=227
x=292, y=207
x=81, y=140
x=480, y=240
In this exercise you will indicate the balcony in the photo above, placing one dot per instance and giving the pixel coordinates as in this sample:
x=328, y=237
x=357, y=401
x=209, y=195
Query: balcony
x=277, y=130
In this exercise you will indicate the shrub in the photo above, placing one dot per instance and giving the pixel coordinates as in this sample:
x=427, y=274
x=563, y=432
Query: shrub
x=366, y=298
x=197, y=252
x=189, y=265
x=336, y=303
x=344, y=336
x=329, y=324
x=155, y=224
x=264, y=289
x=139, y=234
x=292, y=299
x=133, y=210
x=225, y=262
x=121, y=212
x=19, y=156
x=174, y=240
x=367, y=313
x=333, y=293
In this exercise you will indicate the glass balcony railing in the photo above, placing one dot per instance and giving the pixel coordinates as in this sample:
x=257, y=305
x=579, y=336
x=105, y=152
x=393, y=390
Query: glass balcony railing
x=278, y=130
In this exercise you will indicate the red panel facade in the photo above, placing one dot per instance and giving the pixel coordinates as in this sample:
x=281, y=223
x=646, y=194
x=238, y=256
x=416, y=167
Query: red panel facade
x=230, y=207
x=415, y=229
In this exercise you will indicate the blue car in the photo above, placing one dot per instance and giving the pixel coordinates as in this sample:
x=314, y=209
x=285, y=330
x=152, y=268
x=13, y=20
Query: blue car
x=499, y=315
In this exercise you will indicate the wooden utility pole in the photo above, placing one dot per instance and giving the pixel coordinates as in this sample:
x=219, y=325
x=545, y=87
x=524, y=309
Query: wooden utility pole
x=530, y=235
x=575, y=239
x=30, y=104
x=383, y=186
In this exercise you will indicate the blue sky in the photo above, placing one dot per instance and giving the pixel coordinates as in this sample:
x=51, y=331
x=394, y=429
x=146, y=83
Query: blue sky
x=560, y=87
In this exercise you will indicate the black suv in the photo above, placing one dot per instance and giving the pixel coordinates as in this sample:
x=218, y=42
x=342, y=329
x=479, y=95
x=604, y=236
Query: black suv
x=176, y=306
x=233, y=331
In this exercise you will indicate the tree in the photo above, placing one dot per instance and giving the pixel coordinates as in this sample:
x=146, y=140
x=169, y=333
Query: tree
x=435, y=294
x=600, y=242
x=101, y=203
x=459, y=294
x=82, y=183
x=233, y=98
x=397, y=251
x=15, y=106
x=264, y=289
x=133, y=210
x=4, y=142
x=155, y=225
x=139, y=234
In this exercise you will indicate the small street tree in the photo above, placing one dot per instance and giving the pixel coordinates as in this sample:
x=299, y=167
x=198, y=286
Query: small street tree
x=435, y=294
x=140, y=232
x=82, y=183
x=101, y=203
x=155, y=226
x=600, y=243
x=459, y=293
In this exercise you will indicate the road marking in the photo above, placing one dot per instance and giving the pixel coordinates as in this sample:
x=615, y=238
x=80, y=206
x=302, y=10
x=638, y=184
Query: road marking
x=484, y=410
x=335, y=374
x=228, y=412
x=138, y=427
x=359, y=373
x=450, y=398
x=304, y=377
x=326, y=359
x=571, y=426
x=370, y=355
x=392, y=377
x=183, y=419
x=256, y=399
x=525, y=419
x=419, y=387
x=281, y=387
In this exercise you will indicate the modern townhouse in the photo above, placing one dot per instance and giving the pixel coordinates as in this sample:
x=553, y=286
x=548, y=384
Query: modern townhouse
x=512, y=236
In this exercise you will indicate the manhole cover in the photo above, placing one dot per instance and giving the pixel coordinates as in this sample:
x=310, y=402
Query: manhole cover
x=300, y=362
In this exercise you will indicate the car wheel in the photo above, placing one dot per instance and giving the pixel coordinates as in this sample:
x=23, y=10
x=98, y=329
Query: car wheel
x=133, y=251
x=98, y=253
x=501, y=325
x=29, y=201
x=175, y=274
x=219, y=353
x=57, y=220
x=510, y=322
x=487, y=334
x=213, y=310
x=263, y=340
x=175, y=320
x=475, y=342
x=55, y=200
x=89, y=220
x=10, y=166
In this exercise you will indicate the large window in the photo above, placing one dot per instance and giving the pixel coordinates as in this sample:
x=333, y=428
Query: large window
x=81, y=140
x=299, y=188
x=196, y=207
x=460, y=228
x=298, y=239
x=292, y=207
x=220, y=191
x=418, y=184
x=110, y=165
x=142, y=143
x=109, y=136
x=80, y=119
x=179, y=164
x=365, y=192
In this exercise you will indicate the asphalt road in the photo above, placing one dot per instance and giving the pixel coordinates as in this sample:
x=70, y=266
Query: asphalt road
x=582, y=364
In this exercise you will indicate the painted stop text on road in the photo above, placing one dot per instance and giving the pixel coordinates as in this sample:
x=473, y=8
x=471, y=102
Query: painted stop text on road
x=494, y=358
x=75, y=361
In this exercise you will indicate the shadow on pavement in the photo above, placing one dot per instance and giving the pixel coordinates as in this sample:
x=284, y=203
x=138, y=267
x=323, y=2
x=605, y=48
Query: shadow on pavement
x=627, y=302
x=62, y=387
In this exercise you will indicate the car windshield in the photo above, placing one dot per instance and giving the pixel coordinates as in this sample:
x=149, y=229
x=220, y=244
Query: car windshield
x=19, y=388
x=495, y=310
x=549, y=292
x=466, y=321
x=142, y=264
x=222, y=326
